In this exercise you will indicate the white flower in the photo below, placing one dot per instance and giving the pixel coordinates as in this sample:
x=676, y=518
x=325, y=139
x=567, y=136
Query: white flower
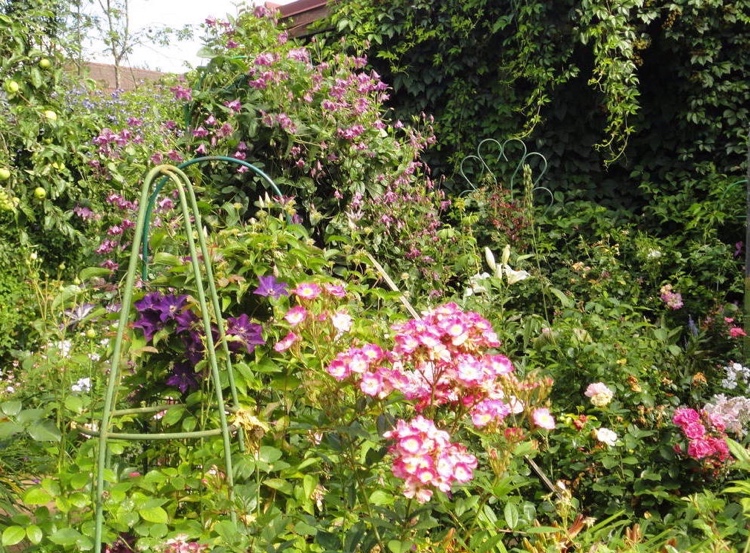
x=736, y=373
x=514, y=276
x=475, y=284
x=516, y=405
x=606, y=436
x=506, y=255
x=64, y=347
x=83, y=385
x=653, y=254
x=502, y=268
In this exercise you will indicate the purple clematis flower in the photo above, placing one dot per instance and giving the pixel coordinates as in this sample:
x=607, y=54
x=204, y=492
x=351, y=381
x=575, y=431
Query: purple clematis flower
x=149, y=323
x=244, y=333
x=194, y=347
x=186, y=321
x=269, y=286
x=183, y=377
x=155, y=309
x=170, y=306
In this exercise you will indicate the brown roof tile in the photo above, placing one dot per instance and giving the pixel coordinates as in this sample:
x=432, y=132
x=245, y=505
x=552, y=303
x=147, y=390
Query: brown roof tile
x=130, y=77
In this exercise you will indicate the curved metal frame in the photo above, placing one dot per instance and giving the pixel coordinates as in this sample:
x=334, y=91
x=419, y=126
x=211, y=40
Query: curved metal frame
x=188, y=206
x=503, y=154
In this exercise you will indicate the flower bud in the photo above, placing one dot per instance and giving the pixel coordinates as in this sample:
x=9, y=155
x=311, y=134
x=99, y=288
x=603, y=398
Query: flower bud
x=490, y=258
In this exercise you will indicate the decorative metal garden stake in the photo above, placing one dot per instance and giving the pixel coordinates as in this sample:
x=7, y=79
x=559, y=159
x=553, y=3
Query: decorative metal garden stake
x=481, y=160
x=190, y=212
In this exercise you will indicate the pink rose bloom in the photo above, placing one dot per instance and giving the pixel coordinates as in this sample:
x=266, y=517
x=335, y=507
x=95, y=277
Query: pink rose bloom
x=694, y=430
x=543, y=418
x=736, y=332
x=295, y=315
x=307, y=291
x=338, y=369
x=371, y=384
x=721, y=450
x=286, y=342
x=698, y=449
x=335, y=290
x=684, y=416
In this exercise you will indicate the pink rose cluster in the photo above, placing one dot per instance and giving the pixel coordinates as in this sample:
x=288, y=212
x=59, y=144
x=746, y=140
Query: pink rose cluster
x=705, y=435
x=734, y=330
x=180, y=544
x=440, y=359
x=425, y=458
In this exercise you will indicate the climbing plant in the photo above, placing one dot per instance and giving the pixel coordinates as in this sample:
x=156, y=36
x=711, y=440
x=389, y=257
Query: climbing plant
x=627, y=92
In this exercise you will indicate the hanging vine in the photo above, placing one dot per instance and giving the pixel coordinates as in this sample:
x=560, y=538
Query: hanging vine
x=611, y=83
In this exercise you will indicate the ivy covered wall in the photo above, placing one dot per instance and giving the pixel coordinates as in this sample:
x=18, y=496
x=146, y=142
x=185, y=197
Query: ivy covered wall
x=628, y=99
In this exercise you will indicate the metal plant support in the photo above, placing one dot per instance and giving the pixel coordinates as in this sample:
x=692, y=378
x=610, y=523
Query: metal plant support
x=189, y=209
x=502, y=149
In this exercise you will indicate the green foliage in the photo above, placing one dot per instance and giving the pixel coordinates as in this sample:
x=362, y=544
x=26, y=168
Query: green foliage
x=316, y=126
x=579, y=294
x=37, y=140
x=660, y=88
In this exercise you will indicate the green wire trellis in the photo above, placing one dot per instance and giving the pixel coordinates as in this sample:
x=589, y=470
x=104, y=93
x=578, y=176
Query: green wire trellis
x=188, y=206
x=481, y=160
